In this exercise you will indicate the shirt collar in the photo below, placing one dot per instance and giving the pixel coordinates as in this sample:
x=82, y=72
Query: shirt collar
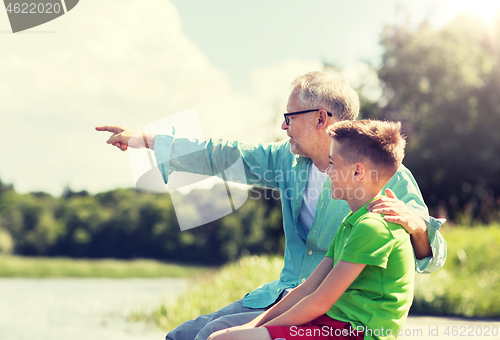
x=352, y=218
x=300, y=159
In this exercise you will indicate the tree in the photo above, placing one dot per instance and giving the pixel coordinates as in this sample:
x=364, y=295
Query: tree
x=444, y=85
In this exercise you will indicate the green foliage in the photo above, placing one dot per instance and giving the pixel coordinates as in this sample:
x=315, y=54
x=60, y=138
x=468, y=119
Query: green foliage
x=445, y=86
x=40, y=267
x=209, y=294
x=127, y=224
x=469, y=283
x=31, y=223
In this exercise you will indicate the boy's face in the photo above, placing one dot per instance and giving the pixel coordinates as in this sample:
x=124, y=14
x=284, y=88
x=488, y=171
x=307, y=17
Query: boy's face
x=341, y=175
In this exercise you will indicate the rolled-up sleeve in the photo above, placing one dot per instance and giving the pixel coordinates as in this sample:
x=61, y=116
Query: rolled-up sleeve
x=438, y=245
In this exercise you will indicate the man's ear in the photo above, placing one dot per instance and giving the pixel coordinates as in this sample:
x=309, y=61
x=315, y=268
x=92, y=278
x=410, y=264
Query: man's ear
x=359, y=172
x=322, y=119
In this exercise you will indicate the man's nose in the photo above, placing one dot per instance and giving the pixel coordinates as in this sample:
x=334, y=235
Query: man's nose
x=284, y=125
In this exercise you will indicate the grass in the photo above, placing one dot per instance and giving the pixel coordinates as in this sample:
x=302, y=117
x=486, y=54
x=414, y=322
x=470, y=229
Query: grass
x=468, y=285
x=39, y=267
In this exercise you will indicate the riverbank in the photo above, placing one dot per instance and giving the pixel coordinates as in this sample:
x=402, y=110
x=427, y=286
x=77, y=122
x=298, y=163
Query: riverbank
x=42, y=267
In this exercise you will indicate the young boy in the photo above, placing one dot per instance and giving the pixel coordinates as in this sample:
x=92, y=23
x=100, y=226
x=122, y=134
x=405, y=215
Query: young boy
x=363, y=288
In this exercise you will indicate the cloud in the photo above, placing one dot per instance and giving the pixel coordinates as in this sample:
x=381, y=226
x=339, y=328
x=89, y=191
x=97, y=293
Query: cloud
x=109, y=62
x=360, y=75
x=115, y=62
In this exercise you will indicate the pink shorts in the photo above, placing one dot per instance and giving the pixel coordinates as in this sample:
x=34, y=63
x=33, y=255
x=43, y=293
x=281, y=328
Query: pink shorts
x=321, y=328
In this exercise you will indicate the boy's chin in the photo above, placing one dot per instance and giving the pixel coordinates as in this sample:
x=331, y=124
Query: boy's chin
x=337, y=198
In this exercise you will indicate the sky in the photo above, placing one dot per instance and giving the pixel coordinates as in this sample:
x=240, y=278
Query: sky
x=131, y=63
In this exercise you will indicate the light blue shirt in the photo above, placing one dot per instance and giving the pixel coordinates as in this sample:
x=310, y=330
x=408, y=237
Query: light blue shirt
x=274, y=166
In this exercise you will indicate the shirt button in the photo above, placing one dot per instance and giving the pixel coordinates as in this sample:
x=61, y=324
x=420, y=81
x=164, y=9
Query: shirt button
x=310, y=252
x=303, y=280
x=277, y=290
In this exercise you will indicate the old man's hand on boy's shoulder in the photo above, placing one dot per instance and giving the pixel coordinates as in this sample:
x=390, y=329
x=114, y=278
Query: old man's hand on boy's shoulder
x=397, y=212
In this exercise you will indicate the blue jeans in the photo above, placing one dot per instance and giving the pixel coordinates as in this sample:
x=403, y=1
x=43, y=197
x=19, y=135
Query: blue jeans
x=200, y=328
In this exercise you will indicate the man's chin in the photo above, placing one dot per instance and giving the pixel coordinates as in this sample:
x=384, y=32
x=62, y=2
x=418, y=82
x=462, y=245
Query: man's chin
x=297, y=151
x=294, y=149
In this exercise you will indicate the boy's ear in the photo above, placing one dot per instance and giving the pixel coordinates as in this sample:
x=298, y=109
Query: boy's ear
x=359, y=172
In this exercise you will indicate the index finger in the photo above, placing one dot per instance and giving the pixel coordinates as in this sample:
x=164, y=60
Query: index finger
x=109, y=128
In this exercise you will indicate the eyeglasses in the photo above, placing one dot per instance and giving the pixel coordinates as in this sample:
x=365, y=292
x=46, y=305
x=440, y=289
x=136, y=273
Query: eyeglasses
x=287, y=115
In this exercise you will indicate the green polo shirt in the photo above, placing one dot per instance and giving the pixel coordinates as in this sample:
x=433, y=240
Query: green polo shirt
x=379, y=299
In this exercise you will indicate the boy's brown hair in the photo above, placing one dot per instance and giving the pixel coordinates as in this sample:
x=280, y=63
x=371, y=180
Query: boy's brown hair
x=380, y=142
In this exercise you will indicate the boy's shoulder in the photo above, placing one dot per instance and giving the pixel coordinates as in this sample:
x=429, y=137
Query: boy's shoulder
x=369, y=219
x=377, y=223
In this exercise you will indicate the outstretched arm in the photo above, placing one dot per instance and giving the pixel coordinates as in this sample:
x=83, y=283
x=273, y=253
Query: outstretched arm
x=261, y=162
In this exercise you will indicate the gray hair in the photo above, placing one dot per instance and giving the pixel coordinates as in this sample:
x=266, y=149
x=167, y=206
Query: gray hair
x=328, y=91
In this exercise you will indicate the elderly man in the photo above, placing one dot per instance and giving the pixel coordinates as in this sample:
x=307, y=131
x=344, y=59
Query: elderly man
x=310, y=217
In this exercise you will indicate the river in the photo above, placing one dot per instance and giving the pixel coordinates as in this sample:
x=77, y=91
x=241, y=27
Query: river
x=57, y=309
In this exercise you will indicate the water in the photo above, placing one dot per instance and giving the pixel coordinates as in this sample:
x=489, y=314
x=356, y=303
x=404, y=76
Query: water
x=57, y=309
